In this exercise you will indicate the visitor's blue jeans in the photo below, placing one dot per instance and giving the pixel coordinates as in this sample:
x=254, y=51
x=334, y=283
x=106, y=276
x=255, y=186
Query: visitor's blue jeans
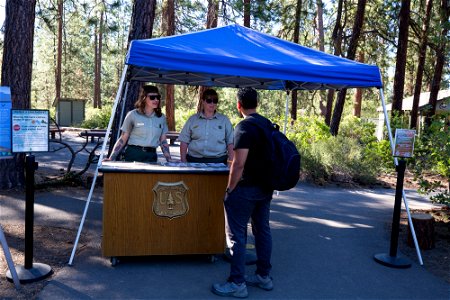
x=243, y=203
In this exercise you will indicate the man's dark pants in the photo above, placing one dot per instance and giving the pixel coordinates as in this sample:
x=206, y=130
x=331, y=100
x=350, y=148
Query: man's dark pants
x=243, y=203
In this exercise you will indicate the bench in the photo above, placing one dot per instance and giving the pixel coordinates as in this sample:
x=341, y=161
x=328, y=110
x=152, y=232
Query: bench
x=172, y=136
x=94, y=133
x=54, y=130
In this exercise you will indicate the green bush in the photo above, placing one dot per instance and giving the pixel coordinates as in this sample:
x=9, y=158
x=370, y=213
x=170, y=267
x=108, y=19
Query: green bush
x=432, y=156
x=97, y=118
x=354, y=154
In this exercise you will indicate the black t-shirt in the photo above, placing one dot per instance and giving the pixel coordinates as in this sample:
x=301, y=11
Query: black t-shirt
x=249, y=136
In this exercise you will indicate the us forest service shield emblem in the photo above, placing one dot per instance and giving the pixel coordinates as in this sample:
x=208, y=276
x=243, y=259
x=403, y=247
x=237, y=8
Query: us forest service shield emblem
x=170, y=199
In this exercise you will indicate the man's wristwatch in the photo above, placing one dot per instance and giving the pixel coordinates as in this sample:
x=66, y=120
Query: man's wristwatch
x=228, y=190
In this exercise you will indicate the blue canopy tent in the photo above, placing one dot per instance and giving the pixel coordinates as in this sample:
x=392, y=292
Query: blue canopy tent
x=236, y=56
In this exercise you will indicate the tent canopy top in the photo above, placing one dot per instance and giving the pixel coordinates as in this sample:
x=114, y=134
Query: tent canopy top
x=236, y=56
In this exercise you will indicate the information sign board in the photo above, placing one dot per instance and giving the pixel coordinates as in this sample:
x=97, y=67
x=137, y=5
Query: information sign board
x=29, y=130
x=404, y=142
x=5, y=122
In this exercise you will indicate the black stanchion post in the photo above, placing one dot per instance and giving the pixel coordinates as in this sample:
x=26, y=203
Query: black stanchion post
x=30, y=272
x=392, y=260
x=30, y=167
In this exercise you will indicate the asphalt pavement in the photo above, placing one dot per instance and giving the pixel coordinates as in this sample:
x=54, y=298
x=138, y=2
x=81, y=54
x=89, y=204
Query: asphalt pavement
x=324, y=241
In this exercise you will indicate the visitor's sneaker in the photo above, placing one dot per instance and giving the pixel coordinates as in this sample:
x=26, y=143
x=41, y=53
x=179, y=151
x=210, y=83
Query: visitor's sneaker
x=264, y=283
x=230, y=289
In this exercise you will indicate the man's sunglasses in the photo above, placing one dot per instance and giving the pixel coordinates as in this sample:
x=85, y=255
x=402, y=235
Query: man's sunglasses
x=212, y=100
x=154, y=97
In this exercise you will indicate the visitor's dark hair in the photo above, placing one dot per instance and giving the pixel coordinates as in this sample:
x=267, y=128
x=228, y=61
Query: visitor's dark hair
x=140, y=103
x=247, y=97
x=209, y=92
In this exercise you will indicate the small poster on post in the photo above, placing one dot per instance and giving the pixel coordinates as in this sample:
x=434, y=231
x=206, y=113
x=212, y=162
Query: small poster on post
x=29, y=130
x=404, y=142
x=5, y=122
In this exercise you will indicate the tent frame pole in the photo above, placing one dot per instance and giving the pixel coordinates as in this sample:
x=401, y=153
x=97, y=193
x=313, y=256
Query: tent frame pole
x=105, y=141
x=122, y=108
x=405, y=200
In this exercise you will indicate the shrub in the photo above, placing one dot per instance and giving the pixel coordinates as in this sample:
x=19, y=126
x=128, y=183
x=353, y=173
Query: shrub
x=354, y=154
x=97, y=118
x=432, y=155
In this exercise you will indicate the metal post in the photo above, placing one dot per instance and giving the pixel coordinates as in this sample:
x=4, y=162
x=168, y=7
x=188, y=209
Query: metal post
x=30, y=272
x=405, y=200
x=30, y=167
x=392, y=260
x=105, y=140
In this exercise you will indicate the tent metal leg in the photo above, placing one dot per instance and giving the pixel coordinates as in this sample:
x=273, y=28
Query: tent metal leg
x=105, y=141
x=9, y=260
x=405, y=201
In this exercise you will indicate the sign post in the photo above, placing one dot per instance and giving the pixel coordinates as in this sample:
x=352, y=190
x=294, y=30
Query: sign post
x=404, y=146
x=29, y=133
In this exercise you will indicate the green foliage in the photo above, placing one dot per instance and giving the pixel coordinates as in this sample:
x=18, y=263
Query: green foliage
x=353, y=155
x=432, y=155
x=97, y=118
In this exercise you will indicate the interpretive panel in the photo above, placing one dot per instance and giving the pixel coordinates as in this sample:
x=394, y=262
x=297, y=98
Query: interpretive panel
x=29, y=130
x=404, y=142
x=5, y=122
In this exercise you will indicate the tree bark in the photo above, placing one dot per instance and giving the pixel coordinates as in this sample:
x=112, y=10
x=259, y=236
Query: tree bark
x=58, y=74
x=421, y=65
x=247, y=6
x=211, y=22
x=169, y=29
x=424, y=229
x=321, y=45
x=95, y=101
x=98, y=62
x=337, y=43
x=351, y=52
x=142, y=20
x=294, y=97
x=16, y=73
x=400, y=66
x=440, y=60
x=357, y=103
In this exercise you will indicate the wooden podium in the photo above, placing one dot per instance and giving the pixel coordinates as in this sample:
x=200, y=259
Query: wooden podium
x=162, y=210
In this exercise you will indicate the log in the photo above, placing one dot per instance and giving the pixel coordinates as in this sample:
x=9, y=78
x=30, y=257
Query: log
x=424, y=228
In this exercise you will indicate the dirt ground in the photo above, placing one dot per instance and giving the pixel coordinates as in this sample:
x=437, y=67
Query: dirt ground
x=53, y=246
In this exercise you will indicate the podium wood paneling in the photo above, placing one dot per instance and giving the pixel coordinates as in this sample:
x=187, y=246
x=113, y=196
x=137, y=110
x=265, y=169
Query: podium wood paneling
x=130, y=228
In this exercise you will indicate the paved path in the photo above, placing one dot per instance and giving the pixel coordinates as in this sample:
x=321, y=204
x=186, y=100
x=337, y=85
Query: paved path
x=324, y=242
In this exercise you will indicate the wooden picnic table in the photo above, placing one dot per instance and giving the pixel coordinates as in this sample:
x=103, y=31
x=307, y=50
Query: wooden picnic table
x=94, y=133
x=172, y=136
x=53, y=130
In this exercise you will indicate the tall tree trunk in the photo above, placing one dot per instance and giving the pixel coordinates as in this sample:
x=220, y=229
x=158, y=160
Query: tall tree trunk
x=169, y=29
x=58, y=74
x=337, y=44
x=358, y=94
x=351, y=52
x=16, y=73
x=95, y=100
x=421, y=65
x=98, y=60
x=402, y=49
x=247, y=9
x=142, y=19
x=211, y=22
x=294, y=97
x=440, y=60
x=321, y=45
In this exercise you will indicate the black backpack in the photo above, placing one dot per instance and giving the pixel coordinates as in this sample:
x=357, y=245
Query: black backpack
x=284, y=157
